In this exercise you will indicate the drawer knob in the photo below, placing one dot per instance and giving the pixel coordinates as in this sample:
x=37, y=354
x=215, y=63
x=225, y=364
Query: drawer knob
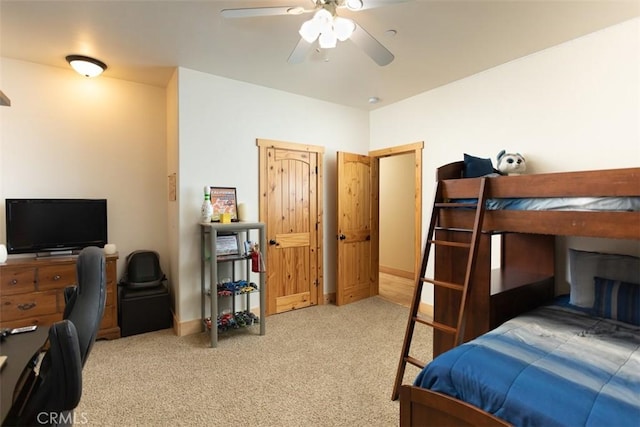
x=57, y=277
x=14, y=282
x=27, y=306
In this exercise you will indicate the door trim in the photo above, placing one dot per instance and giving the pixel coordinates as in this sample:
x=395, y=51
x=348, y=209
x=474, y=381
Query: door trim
x=318, y=248
x=417, y=149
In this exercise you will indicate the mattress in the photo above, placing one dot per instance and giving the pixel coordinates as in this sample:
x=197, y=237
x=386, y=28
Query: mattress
x=567, y=204
x=587, y=204
x=554, y=366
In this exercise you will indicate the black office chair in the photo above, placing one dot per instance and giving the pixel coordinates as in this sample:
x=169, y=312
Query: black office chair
x=85, y=303
x=51, y=392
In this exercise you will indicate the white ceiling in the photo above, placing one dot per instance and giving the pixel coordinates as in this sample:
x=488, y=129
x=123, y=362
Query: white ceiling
x=436, y=42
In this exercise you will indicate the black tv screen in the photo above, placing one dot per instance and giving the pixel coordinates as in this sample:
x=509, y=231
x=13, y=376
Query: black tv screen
x=52, y=225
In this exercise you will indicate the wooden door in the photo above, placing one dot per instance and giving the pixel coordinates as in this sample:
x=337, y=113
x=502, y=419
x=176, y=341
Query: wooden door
x=357, y=269
x=291, y=209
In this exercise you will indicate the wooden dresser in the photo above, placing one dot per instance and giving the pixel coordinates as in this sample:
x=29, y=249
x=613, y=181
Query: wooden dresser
x=31, y=292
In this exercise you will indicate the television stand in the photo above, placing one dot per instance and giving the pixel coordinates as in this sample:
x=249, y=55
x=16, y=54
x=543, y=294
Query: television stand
x=32, y=292
x=54, y=254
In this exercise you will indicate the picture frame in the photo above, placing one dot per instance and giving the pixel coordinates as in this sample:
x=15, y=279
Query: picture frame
x=224, y=200
x=227, y=245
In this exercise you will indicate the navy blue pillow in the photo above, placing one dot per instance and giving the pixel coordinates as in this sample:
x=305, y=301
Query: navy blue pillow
x=475, y=167
x=617, y=300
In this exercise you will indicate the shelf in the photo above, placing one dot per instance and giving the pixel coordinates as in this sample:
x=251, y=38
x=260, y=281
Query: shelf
x=240, y=287
x=227, y=322
x=224, y=258
x=235, y=289
x=238, y=284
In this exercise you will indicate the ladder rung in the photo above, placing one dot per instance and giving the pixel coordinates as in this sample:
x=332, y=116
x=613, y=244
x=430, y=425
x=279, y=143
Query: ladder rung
x=466, y=230
x=449, y=285
x=450, y=243
x=415, y=362
x=436, y=325
x=455, y=205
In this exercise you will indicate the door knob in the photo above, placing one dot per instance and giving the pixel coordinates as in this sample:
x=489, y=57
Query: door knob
x=342, y=237
x=272, y=242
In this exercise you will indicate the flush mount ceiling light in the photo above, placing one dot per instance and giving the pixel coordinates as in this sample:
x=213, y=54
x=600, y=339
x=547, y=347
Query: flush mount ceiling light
x=86, y=66
x=354, y=4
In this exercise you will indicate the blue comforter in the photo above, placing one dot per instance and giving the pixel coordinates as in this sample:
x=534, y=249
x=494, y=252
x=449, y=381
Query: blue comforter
x=551, y=367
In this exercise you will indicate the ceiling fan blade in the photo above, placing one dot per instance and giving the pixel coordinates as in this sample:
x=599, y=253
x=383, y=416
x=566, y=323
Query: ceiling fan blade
x=300, y=52
x=370, y=4
x=257, y=11
x=371, y=46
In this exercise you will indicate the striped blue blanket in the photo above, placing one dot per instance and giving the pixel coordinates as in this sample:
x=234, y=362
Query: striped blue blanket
x=550, y=367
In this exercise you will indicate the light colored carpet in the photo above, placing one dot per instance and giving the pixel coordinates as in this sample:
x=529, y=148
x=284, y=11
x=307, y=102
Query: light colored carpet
x=318, y=366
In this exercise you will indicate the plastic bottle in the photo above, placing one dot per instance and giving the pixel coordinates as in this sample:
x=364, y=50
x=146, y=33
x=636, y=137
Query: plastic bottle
x=207, y=207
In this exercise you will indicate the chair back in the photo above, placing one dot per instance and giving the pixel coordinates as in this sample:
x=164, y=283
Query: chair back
x=58, y=383
x=85, y=305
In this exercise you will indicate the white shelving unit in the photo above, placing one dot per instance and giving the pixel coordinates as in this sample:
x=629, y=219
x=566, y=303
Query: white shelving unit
x=209, y=233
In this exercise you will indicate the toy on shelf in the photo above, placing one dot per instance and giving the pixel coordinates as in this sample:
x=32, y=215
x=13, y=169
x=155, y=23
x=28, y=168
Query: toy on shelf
x=237, y=287
x=227, y=321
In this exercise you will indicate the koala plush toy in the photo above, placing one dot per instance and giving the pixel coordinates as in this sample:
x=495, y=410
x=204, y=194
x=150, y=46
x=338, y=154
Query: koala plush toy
x=511, y=163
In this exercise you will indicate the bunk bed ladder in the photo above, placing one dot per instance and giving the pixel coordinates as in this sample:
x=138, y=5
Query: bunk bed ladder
x=472, y=246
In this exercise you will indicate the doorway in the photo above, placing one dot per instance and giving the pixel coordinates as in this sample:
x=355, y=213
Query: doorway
x=357, y=263
x=397, y=228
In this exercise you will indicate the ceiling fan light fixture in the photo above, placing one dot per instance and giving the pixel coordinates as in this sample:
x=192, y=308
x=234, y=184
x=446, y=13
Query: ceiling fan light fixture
x=328, y=40
x=343, y=28
x=86, y=66
x=324, y=17
x=310, y=30
x=327, y=28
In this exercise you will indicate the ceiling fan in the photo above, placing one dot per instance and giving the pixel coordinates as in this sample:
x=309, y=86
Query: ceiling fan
x=326, y=26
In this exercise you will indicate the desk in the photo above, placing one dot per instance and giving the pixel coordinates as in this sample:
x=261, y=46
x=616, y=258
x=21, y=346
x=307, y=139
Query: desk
x=20, y=350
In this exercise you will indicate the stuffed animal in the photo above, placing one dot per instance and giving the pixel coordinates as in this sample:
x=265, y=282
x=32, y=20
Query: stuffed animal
x=511, y=163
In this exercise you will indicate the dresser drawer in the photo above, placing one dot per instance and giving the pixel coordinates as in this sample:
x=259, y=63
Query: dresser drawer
x=22, y=306
x=111, y=274
x=44, y=321
x=111, y=297
x=56, y=276
x=110, y=318
x=17, y=280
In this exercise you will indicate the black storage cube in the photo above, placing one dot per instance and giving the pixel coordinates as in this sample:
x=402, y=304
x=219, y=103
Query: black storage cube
x=143, y=310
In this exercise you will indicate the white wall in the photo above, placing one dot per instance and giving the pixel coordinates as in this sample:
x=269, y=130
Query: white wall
x=575, y=106
x=397, y=201
x=220, y=120
x=68, y=136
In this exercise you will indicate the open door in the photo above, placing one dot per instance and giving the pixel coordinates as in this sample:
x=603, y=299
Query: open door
x=357, y=269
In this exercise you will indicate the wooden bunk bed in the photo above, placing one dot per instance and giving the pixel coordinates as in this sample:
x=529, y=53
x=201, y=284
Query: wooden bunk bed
x=525, y=279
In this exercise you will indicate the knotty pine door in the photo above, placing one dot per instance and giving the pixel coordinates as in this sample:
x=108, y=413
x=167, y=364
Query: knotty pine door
x=291, y=208
x=357, y=267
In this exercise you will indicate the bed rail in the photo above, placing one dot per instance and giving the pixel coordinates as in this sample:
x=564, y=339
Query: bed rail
x=420, y=407
x=597, y=183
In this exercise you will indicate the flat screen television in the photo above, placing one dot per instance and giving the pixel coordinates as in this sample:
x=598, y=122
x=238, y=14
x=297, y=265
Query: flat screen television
x=55, y=226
